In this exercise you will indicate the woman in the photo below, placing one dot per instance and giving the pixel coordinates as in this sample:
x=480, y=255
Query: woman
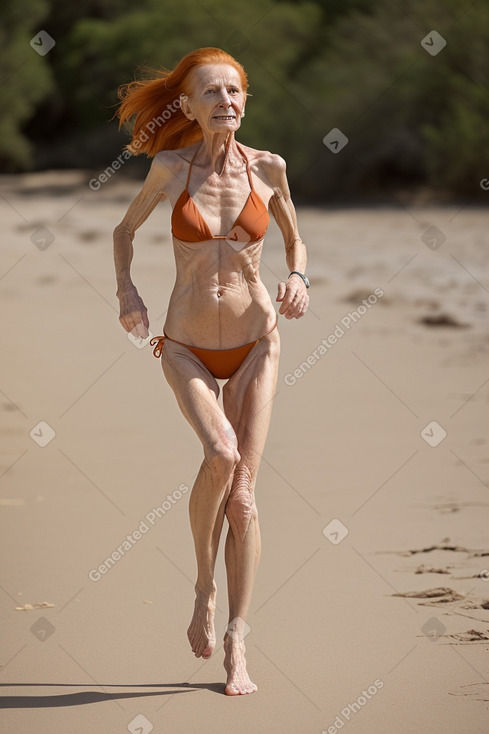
x=221, y=323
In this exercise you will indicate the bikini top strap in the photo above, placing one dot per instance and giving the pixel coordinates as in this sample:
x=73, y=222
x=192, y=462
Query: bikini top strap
x=190, y=166
x=247, y=165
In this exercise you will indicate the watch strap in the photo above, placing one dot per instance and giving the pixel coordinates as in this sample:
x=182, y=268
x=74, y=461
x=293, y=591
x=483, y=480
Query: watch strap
x=301, y=275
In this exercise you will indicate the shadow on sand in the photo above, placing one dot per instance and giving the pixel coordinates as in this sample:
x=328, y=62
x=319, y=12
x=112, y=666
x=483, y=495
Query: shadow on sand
x=84, y=697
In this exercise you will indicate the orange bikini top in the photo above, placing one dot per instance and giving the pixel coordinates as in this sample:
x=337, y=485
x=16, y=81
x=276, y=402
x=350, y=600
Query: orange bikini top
x=188, y=224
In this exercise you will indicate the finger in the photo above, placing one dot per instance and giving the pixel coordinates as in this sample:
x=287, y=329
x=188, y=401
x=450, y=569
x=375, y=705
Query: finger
x=288, y=312
x=140, y=330
x=304, y=307
x=288, y=300
x=291, y=300
x=297, y=308
x=131, y=320
x=282, y=288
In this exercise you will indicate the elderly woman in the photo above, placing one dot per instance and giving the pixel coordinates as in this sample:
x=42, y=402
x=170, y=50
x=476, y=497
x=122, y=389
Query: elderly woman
x=221, y=323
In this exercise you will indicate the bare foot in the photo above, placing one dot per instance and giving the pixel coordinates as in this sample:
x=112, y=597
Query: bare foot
x=238, y=681
x=200, y=633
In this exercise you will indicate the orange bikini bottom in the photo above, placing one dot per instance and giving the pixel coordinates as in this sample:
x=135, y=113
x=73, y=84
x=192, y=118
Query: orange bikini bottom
x=221, y=363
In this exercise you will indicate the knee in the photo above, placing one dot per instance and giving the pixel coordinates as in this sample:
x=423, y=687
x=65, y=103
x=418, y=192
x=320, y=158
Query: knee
x=223, y=461
x=240, y=506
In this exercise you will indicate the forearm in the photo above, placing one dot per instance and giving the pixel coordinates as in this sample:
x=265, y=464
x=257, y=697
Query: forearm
x=123, y=254
x=296, y=256
x=284, y=212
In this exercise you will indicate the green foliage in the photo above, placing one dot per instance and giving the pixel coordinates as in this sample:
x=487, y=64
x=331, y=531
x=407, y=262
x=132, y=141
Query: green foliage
x=411, y=118
x=25, y=78
x=313, y=65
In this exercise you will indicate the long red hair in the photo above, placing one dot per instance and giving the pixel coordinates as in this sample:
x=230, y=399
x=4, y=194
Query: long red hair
x=160, y=123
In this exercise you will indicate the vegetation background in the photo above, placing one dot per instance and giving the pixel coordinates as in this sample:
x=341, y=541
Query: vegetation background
x=413, y=121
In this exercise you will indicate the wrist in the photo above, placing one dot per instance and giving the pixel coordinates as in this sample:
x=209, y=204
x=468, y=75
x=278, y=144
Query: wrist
x=302, y=276
x=124, y=288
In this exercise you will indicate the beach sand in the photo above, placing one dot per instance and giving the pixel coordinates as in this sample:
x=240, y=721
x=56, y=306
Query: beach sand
x=374, y=481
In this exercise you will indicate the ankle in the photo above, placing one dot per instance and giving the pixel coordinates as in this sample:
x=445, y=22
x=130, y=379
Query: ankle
x=233, y=647
x=207, y=590
x=236, y=631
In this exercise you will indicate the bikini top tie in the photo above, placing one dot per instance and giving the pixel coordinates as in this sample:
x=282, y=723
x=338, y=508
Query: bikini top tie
x=188, y=225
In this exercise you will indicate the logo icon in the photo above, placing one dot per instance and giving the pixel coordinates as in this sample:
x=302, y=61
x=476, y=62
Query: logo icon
x=42, y=43
x=42, y=434
x=335, y=140
x=237, y=629
x=138, y=341
x=433, y=238
x=433, y=43
x=335, y=531
x=433, y=434
x=42, y=629
x=140, y=725
x=433, y=629
x=237, y=238
x=42, y=238
x=238, y=42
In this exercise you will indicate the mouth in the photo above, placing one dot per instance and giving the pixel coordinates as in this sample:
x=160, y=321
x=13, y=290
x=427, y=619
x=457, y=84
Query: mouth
x=224, y=117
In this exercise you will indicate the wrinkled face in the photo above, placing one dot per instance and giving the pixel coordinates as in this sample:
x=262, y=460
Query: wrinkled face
x=216, y=99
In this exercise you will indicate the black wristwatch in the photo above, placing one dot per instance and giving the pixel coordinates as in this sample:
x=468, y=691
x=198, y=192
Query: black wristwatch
x=304, y=277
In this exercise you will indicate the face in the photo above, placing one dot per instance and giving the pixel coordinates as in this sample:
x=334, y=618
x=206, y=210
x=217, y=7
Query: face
x=216, y=99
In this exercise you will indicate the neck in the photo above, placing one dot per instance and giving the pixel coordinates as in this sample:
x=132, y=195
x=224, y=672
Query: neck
x=216, y=149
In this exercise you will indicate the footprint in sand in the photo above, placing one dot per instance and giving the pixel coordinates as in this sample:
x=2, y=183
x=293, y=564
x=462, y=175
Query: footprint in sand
x=442, y=319
x=470, y=636
x=442, y=596
x=476, y=691
x=445, y=545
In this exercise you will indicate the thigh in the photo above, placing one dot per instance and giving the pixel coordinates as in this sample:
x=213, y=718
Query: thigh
x=248, y=398
x=196, y=392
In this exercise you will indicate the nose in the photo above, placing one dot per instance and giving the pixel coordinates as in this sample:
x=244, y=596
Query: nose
x=225, y=100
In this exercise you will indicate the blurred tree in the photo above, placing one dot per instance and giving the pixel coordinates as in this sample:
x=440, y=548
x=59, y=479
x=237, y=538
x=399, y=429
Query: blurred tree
x=25, y=78
x=98, y=54
x=411, y=118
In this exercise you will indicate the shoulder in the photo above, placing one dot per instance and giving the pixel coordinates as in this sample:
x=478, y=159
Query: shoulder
x=170, y=164
x=174, y=159
x=271, y=163
x=269, y=166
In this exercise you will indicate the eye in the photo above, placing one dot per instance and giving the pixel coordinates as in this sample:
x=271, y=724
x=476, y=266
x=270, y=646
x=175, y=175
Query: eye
x=208, y=90
x=234, y=90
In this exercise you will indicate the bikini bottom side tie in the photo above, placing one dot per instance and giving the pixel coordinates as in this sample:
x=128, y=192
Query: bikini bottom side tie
x=221, y=363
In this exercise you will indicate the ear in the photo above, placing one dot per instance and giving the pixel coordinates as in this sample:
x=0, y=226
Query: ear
x=185, y=107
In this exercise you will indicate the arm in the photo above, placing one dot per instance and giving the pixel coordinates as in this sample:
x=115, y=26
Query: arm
x=293, y=292
x=133, y=312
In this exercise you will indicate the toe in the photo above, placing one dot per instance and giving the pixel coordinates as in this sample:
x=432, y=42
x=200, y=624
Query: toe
x=231, y=690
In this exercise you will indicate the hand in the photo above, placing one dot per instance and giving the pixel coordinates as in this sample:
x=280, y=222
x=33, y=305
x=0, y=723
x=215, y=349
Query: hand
x=133, y=313
x=293, y=294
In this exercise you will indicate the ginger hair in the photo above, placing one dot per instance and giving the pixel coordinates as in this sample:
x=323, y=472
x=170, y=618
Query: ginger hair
x=159, y=122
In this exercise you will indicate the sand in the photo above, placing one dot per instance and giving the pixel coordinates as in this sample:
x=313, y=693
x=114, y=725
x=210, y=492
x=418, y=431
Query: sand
x=374, y=481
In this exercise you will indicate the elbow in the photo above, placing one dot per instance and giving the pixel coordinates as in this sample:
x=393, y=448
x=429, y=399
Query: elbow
x=122, y=229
